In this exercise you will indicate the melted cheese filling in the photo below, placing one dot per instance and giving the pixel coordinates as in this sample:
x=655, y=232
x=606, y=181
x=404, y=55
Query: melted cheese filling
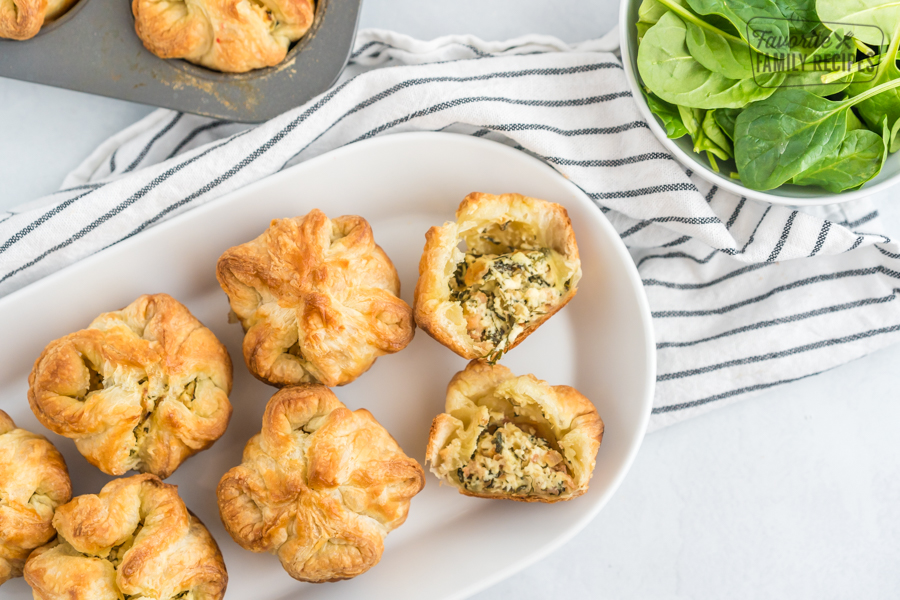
x=501, y=293
x=514, y=459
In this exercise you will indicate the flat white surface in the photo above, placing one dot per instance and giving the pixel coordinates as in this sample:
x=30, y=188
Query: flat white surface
x=601, y=343
x=792, y=494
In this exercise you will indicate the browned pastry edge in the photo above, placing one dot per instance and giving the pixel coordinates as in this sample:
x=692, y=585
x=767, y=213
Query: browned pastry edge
x=434, y=259
x=586, y=419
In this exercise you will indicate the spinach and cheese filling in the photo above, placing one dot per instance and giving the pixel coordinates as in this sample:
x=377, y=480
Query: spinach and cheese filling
x=514, y=459
x=500, y=294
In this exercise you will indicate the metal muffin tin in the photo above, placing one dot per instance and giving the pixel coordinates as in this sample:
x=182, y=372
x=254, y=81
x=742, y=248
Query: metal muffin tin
x=93, y=48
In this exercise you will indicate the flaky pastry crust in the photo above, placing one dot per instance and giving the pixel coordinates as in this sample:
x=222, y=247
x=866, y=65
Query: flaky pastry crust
x=33, y=482
x=141, y=388
x=233, y=36
x=320, y=486
x=317, y=298
x=518, y=438
x=136, y=539
x=22, y=19
x=520, y=266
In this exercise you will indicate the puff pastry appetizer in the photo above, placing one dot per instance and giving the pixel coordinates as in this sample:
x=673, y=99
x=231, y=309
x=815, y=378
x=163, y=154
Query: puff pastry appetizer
x=320, y=486
x=519, y=267
x=317, y=298
x=135, y=539
x=234, y=36
x=33, y=482
x=514, y=437
x=22, y=19
x=141, y=388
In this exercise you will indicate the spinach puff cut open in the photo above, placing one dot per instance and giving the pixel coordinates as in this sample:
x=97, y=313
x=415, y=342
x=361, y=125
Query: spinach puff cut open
x=519, y=266
x=141, y=388
x=233, y=36
x=320, y=486
x=317, y=298
x=512, y=437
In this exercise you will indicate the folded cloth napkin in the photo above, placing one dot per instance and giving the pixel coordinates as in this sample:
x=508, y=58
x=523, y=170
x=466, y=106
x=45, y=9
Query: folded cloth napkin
x=745, y=296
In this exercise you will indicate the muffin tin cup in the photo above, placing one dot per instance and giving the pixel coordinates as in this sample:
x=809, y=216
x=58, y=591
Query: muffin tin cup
x=93, y=48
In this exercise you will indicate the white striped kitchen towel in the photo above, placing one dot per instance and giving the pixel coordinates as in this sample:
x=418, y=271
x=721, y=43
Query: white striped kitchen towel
x=745, y=296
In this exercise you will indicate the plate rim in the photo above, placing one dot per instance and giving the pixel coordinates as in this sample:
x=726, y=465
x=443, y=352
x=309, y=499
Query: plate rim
x=373, y=145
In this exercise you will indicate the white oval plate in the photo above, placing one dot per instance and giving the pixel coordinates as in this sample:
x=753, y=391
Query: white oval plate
x=451, y=546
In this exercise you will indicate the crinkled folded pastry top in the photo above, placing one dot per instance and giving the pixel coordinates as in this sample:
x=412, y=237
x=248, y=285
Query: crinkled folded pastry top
x=23, y=19
x=234, y=36
x=141, y=388
x=512, y=437
x=320, y=486
x=33, y=482
x=317, y=298
x=135, y=539
x=519, y=266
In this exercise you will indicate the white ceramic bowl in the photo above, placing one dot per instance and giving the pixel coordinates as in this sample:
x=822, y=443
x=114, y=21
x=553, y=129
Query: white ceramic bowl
x=682, y=148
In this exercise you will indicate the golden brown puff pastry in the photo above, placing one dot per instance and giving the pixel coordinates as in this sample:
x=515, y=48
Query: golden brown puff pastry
x=33, y=482
x=514, y=437
x=520, y=265
x=226, y=35
x=22, y=19
x=317, y=298
x=320, y=486
x=136, y=539
x=141, y=388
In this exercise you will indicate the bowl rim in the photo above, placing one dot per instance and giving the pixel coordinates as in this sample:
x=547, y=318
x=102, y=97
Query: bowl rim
x=626, y=32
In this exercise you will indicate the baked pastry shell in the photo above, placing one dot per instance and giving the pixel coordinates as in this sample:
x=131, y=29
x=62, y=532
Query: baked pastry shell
x=33, y=482
x=157, y=339
x=230, y=36
x=570, y=418
x=322, y=285
x=346, y=480
x=170, y=549
x=29, y=16
x=441, y=317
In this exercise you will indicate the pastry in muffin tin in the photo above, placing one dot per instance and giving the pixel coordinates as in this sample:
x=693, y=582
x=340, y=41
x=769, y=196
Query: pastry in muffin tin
x=518, y=267
x=33, y=482
x=320, y=486
x=141, y=388
x=135, y=539
x=233, y=36
x=317, y=298
x=519, y=438
x=23, y=19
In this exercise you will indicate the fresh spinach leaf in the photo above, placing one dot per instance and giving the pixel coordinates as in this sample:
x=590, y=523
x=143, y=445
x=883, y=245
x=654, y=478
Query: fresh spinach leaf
x=894, y=139
x=726, y=117
x=716, y=135
x=667, y=113
x=718, y=53
x=866, y=19
x=767, y=30
x=695, y=120
x=857, y=160
x=802, y=14
x=668, y=69
x=781, y=136
x=649, y=13
x=887, y=104
x=812, y=68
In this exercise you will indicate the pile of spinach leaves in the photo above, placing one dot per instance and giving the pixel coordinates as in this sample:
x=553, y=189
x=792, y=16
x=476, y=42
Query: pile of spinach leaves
x=702, y=63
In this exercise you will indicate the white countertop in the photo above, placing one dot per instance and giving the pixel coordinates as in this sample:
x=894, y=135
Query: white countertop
x=792, y=494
